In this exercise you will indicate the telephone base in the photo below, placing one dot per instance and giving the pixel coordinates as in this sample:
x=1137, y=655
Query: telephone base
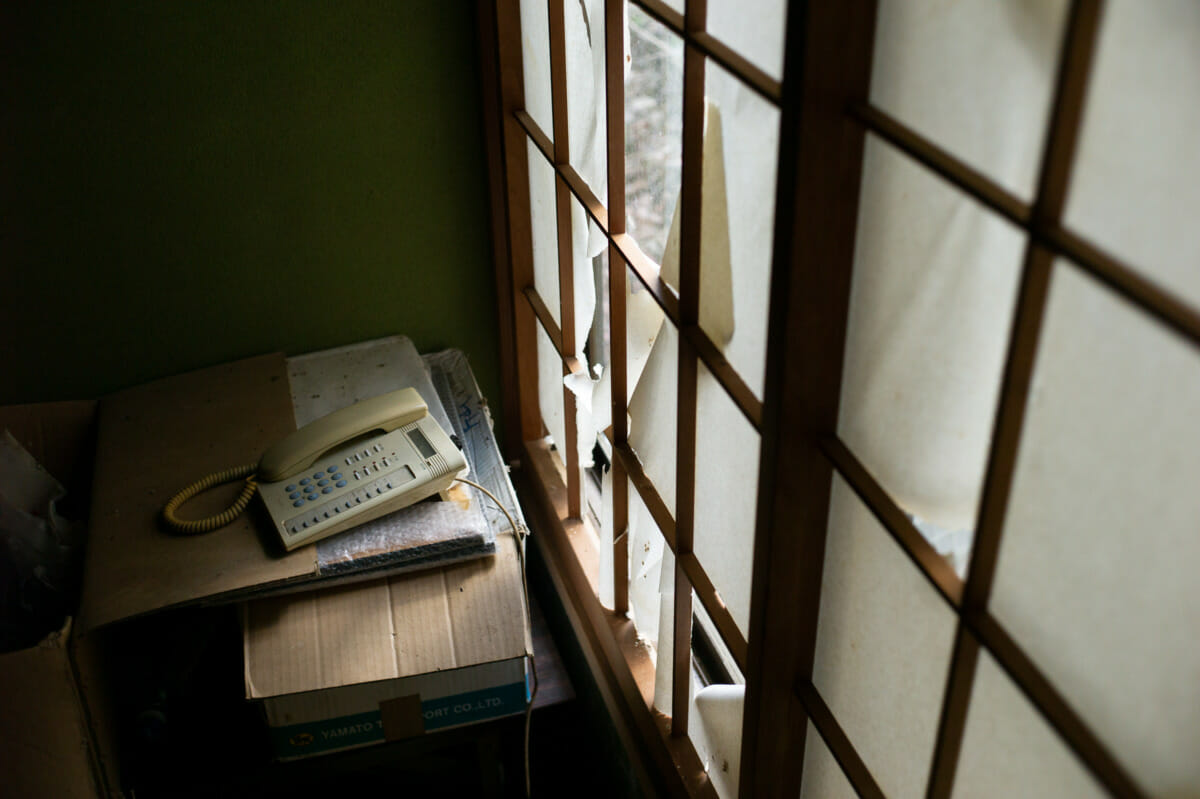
x=363, y=481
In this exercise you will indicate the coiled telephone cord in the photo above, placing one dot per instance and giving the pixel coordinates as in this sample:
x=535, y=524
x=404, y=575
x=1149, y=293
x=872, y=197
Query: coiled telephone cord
x=198, y=526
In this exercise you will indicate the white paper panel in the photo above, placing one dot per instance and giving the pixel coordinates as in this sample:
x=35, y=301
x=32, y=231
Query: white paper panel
x=935, y=277
x=664, y=671
x=653, y=410
x=738, y=220
x=535, y=63
x=646, y=551
x=1136, y=183
x=1096, y=577
x=653, y=131
x=544, y=224
x=715, y=728
x=550, y=390
x=727, y=448
x=584, y=27
x=883, y=647
x=583, y=384
x=584, y=289
x=753, y=28
x=975, y=76
x=1009, y=750
x=822, y=777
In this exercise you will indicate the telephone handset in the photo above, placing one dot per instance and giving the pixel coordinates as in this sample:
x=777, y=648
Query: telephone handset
x=342, y=470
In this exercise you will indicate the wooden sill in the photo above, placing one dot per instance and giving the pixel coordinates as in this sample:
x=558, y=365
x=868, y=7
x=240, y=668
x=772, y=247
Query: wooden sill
x=620, y=665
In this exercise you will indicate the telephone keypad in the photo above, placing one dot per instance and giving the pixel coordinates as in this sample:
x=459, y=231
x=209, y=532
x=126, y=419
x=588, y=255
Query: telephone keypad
x=335, y=506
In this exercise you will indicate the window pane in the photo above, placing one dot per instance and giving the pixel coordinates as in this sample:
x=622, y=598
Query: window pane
x=585, y=92
x=584, y=250
x=1096, y=577
x=753, y=28
x=647, y=553
x=935, y=278
x=653, y=404
x=741, y=145
x=883, y=647
x=544, y=224
x=1008, y=749
x=1136, y=184
x=535, y=62
x=974, y=76
x=727, y=448
x=550, y=390
x=822, y=777
x=653, y=132
x=584, y=385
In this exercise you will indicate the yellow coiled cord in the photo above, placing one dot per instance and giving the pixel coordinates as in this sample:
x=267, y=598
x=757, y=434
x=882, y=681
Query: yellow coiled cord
x=197, y=526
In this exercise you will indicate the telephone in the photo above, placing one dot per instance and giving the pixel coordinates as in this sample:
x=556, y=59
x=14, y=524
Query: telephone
x=349, y=467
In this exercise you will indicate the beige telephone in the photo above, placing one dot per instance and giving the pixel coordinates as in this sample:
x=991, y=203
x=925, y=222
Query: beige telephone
x=349, y=467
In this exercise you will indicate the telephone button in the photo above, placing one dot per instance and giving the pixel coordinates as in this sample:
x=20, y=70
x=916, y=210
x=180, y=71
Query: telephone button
x=341, y=483
x=326, y=489
x=297, y=503
x=318, y=475
x=337, y=476
x=292, y=487
x=322, y=482
x=294, y=495
x=304, y=481
x=309, y=489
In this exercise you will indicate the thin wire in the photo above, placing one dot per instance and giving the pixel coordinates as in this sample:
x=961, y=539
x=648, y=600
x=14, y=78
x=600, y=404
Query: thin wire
x=520, y=532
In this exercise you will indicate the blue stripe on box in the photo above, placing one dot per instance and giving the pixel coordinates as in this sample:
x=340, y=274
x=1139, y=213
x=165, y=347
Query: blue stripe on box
x=341, y=732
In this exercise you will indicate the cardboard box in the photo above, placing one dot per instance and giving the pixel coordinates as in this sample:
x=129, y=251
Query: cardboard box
x=48, y=746
x=353, y=665
x=360, y=664
x=152, y=440
x=156, y=438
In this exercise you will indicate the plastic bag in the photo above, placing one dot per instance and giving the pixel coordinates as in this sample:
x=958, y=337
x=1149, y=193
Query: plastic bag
x=39, y=564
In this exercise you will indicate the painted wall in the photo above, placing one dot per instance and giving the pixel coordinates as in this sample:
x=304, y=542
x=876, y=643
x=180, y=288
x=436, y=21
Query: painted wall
x=187, y=183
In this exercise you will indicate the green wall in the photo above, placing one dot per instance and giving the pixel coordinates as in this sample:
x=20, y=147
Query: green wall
x=187, y=183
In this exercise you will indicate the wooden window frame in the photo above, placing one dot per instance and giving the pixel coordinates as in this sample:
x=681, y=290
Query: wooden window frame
x=825, y=116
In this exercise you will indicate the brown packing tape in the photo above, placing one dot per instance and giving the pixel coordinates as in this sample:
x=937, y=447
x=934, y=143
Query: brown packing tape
x=402, y=717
